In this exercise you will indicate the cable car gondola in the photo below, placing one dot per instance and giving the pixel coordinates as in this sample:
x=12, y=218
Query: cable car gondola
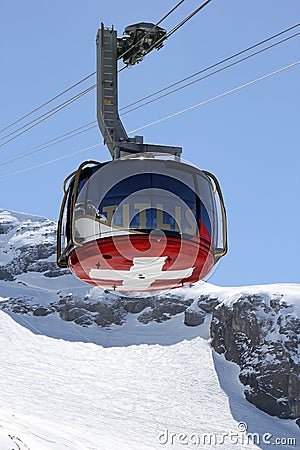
x=145, y=220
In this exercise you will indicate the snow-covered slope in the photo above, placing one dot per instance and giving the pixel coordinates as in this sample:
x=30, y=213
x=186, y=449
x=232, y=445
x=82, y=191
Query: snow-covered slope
x=69, y=395
x=81, y=369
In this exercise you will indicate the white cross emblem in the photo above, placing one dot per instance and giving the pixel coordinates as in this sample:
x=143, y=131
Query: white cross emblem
x=142, y=274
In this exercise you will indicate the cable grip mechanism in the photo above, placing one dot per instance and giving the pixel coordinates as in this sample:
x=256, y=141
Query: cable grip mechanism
x=138, y=40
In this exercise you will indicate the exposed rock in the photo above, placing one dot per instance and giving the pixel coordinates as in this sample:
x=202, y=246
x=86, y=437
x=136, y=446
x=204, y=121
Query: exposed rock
x=85, y=320
x=55, y=272
x=5, y=227
x=71, y=313
x=162, y=309
x=87, y=311
x=29, y=258
x=42, y=311
x=137, y=305
x=261, y=334
x=5, y=274
x=154, y=315
x=30, y=242
x=20, y=305
x=104, y=312
x=194, y=317
x=208, y=303
x=196, y=313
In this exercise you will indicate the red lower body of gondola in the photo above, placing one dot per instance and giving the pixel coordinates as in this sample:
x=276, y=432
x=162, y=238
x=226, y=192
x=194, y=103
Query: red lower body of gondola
x=140, y=262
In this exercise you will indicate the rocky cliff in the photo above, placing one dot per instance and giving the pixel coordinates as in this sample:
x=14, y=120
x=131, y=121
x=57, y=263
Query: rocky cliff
x=258, y=328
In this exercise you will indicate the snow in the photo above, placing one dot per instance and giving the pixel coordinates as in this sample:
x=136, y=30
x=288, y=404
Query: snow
x=109, y=397
x=58, y=394
x=288, y=292
x=36, y=281
x=32, y=233
x=15, y=216
x=68, y=387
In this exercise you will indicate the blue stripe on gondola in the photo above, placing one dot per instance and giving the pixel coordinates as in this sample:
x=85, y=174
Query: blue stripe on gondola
x=137, y=182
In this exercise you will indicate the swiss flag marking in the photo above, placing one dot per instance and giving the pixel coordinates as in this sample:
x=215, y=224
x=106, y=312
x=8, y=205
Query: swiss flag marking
x=143, y=272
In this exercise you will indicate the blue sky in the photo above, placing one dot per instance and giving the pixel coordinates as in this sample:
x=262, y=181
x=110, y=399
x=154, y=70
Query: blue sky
x=249, y=139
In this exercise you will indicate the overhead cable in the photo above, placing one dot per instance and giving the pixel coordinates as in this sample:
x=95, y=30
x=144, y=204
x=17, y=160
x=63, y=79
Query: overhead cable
x=187, y=18
x=48, y=101
x=74, y=133
x=238, y=88
x=228, y=58
x=46, y=163
x=52, y=142
x=210, y=74
x=45, y=116
x=70, y=88
x=179, y=25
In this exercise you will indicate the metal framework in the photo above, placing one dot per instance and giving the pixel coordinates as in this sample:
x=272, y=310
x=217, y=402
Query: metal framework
x=110, y=48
